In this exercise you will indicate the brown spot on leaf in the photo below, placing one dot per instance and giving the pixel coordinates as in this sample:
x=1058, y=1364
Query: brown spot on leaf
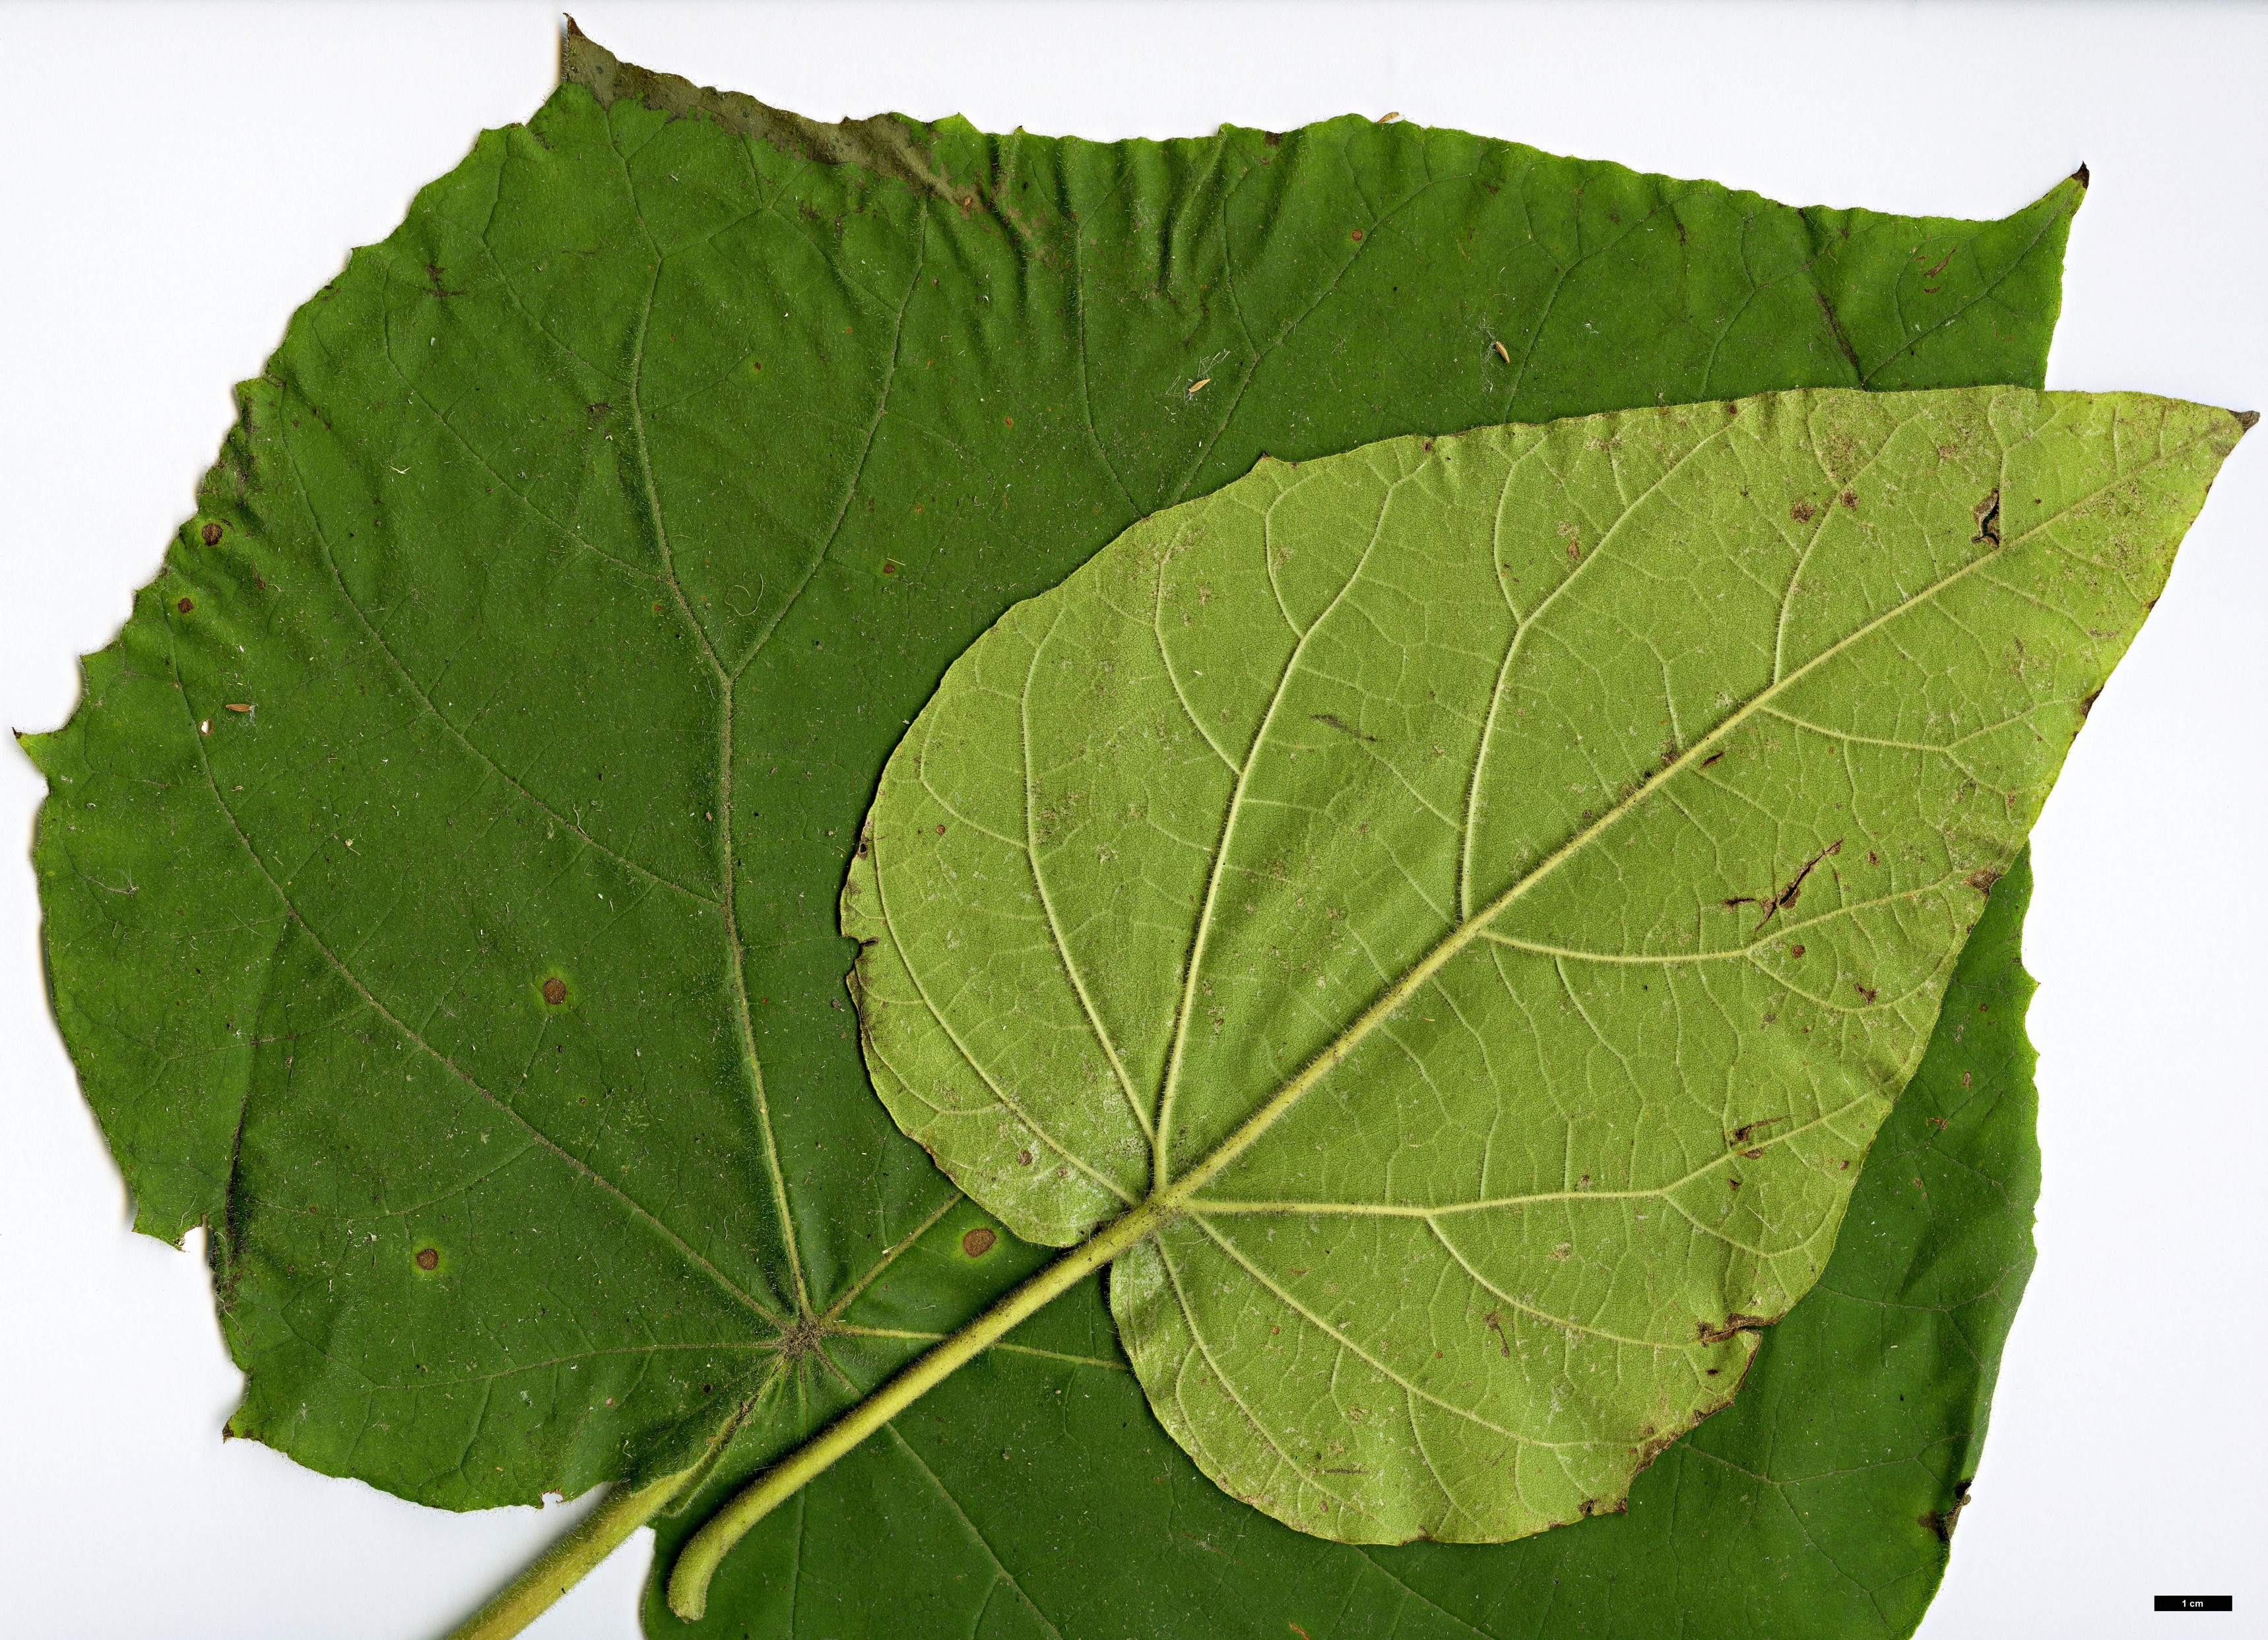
x=1849, y=498
x=428, y=1259
x=1942, y=1521
x=184, y=606
x=1982, y=880
x=1735, y=1322
x=940, y=830
x=1495, y=1324
x=1795, y=951
x=554, y=990
x=1356, y=235
x=1023, y=1159
x=1866, y=991
x=210, y=534
x=1331, y=720
x=978, y=1242
x=1803, y=512
x=1988, y=519
x=1788, y=895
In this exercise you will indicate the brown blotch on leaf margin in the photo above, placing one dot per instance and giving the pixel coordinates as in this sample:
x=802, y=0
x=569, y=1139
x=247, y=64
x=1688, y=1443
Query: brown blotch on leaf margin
x=1735, y=1322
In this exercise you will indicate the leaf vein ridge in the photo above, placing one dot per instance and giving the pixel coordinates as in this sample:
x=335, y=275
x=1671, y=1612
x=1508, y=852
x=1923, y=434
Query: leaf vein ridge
x=1047, y=900
x=1339, y=1337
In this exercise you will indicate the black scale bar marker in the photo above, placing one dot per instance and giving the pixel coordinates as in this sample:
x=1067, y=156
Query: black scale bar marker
x=2195, y=1603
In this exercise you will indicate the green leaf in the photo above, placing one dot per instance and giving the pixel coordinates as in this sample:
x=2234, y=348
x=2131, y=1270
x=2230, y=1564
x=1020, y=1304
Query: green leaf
x=1471, y=902
x=304, y=954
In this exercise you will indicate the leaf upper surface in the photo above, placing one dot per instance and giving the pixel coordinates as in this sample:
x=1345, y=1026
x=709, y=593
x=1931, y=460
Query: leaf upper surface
x=580, y=554
x=1490, y=890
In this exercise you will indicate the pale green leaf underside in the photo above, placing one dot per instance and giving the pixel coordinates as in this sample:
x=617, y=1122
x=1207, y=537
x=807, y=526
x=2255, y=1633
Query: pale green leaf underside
x=1493, y=887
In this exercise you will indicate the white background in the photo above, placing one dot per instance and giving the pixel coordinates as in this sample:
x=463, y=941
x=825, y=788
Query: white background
x=174, y=180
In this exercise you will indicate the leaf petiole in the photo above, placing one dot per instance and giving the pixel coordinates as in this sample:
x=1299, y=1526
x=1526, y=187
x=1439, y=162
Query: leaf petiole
x=689, y=1580
x=574, y=1556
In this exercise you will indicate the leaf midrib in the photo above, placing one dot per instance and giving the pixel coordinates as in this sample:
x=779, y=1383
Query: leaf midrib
x=1175, y=1195
x=371, y=1001
x=727, y=685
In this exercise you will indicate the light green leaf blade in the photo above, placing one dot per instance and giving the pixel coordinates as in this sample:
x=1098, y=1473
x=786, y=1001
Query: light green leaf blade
x=1482, y=896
